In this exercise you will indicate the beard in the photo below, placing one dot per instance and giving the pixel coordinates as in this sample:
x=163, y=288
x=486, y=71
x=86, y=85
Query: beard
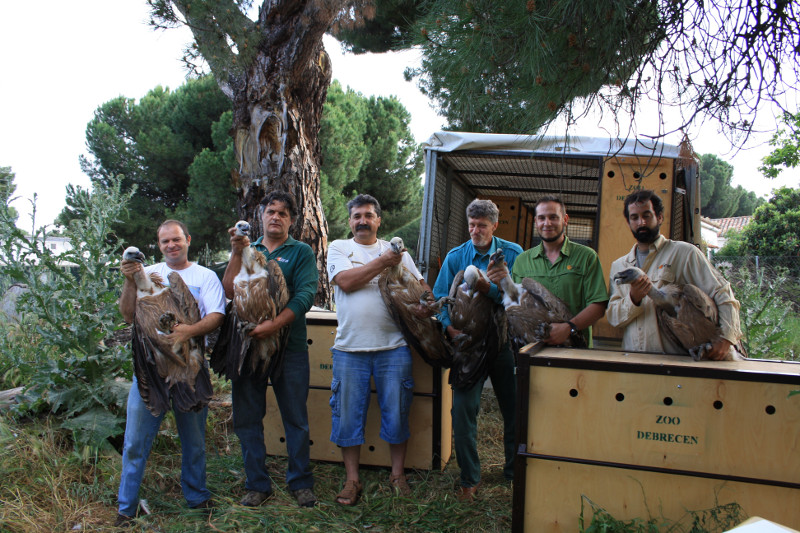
x=555, y=238
x=647, y=235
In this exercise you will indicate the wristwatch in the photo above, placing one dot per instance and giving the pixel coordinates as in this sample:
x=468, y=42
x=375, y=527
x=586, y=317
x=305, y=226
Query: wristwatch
x=573, y=327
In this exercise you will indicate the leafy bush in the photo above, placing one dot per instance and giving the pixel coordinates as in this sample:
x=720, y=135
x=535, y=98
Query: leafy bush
x=766, y=317
x=70, y=316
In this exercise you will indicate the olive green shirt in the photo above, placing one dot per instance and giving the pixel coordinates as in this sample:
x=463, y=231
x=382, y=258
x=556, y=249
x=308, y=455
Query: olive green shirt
x=576, y=277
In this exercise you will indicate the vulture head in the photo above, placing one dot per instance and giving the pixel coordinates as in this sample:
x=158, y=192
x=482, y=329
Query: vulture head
x=242, y=228
x=397, y=245
x=629, y=275
x=471, y=276
x=132, y=253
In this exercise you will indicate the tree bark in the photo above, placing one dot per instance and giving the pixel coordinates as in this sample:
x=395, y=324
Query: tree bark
x=277, y=105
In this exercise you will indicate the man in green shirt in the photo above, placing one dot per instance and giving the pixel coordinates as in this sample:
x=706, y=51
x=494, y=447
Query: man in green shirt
x=567, y=269
x=299, y=266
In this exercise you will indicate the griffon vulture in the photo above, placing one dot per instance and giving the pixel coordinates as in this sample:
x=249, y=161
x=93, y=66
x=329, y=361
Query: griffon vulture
x=483, y=328
x=531, y=308
x=402, y=293
x=259, y=293
x=165, y=370
x=685, y=314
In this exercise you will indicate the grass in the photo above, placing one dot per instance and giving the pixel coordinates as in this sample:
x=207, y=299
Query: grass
x=45, y=487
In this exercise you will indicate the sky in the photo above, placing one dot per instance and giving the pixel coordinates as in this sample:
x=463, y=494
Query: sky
x=61, y=60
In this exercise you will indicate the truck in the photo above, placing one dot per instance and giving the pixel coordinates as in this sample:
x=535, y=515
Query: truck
x=591, y=175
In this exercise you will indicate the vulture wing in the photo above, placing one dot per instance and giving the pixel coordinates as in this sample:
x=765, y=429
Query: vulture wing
x=401, y=292
x=538, y=308
x=694, y=322
x=483, y=332
x=164, y=371
x=260, y=293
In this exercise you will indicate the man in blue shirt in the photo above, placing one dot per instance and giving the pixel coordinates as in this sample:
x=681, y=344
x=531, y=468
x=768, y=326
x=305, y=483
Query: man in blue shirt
x=482, y=216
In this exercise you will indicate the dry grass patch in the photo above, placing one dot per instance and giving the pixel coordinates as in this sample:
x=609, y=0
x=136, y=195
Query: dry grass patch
x=46, y=487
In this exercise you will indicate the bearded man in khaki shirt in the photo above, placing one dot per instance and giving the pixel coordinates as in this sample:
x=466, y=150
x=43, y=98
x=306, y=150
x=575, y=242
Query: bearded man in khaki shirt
x=664, y=261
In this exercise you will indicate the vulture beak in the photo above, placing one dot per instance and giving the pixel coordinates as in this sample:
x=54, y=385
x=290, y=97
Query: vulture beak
x=242, y=228
x=132, y=253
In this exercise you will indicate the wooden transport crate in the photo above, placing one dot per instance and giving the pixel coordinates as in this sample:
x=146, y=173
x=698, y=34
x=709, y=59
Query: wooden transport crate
x=645, y=435
x=430, y=445
x=321, y=333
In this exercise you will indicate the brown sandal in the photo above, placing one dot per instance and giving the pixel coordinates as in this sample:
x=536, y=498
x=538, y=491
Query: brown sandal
x=350, y=493
x=400, y=485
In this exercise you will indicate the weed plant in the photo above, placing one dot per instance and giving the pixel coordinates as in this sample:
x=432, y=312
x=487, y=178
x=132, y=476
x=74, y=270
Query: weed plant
x=61, y=350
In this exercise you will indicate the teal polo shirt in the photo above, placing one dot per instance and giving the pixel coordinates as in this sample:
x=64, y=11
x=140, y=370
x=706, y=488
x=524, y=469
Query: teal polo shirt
x=576, y=277
x=299, y=267
x=459, y=258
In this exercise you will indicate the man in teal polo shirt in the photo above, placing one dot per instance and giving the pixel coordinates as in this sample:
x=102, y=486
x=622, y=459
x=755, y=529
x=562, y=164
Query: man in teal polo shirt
x=569, y=270
x=299, y=267
x=483, y=219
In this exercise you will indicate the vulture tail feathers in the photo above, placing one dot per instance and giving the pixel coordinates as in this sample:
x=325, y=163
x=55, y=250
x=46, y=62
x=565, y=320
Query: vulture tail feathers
x=187, y=398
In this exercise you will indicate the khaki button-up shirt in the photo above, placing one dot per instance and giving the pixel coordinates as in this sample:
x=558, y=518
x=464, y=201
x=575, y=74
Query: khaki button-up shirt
x=668, y=262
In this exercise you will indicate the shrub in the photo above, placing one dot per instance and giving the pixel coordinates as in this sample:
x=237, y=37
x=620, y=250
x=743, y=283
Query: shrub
x=70, y=316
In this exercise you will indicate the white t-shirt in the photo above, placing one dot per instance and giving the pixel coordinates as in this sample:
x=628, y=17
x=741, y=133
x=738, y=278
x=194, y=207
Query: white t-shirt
x=202, y=282
x=364, y=322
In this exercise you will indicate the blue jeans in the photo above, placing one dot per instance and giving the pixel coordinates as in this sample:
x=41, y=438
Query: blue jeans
x=350, y=394
x=140, y=431
x=249, y=408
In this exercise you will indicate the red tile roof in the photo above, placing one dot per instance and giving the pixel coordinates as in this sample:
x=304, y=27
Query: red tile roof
x=730, y=223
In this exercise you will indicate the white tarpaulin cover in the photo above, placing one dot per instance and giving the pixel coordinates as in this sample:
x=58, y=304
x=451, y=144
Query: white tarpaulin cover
x=450, y=141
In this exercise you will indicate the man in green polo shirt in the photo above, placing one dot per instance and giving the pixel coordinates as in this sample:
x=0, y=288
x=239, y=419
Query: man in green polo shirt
x=569, y=270
x=299, y=266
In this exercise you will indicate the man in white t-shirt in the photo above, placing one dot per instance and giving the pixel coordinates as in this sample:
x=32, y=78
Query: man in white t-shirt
x=368, y=343
x=141, y=425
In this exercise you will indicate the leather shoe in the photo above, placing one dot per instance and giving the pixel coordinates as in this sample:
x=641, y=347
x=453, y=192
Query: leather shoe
x=255, y=498
x=467, y=494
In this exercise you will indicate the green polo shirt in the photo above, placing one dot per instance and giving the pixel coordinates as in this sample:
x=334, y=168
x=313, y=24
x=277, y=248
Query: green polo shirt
x=576, y=277
x=299, y=267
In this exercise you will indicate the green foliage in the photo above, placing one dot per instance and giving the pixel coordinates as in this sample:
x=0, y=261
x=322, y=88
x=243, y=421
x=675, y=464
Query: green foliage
x=385, y=31
x=342, y=131
x=155, y=145
x=210, y=207
x=7, y=189
x=766, y=316
x=714, y=520
x=367, y=147
x=718, y=199
x=514, y=66
x=409, y=233
x=787, y=147
x=71, y=315
x=735, y=246
x=775, y=228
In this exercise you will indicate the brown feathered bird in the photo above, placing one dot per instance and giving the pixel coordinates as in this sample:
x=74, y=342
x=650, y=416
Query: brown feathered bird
x=531, y=309
x=402, y=292
x=685, y=314
x=167, y=371
x=259, y=293
x=483, y=328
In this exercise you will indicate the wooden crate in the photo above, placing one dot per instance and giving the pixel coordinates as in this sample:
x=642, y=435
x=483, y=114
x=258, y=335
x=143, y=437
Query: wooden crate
x=428, y=448
x=508, y=222
x=430, y=445
x=321, y=334
x=645, y=435
x=621, y=176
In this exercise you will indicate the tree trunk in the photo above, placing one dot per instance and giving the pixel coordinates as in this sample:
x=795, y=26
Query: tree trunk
x=277, y=107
